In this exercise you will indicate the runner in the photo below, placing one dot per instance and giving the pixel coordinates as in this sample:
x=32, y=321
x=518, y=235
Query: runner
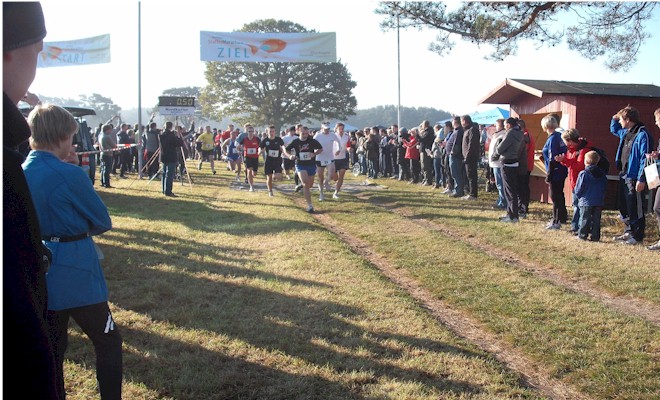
x=304, y=150
x=232, y=155
x=324, y=159
x=287, y=164
x=272, y=147
x=206, y=148
x=250, y=146
x=341, y=158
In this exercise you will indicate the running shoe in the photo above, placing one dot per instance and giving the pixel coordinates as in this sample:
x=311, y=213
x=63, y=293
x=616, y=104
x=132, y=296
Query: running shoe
x=335, y=195
x=310, y=209
x=623, y=237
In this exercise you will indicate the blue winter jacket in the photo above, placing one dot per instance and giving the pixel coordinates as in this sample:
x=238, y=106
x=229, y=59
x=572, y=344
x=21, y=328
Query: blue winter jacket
x=642, y=144
x=553, y=147
x=590, y=187
x=67, y=205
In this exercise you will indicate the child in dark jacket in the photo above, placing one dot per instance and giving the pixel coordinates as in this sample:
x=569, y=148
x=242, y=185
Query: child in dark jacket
x=590, y=191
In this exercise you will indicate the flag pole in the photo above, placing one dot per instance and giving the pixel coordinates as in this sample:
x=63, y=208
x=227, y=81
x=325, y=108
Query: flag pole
x=398, y=72
x=139, y=133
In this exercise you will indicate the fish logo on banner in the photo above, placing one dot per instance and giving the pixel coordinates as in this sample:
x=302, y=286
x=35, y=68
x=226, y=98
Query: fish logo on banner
x=268, y=47
x=93, y=50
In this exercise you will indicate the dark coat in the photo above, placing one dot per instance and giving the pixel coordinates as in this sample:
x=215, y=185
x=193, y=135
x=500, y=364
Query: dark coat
x=169, y=147
x=24, y=273
x=471, y=143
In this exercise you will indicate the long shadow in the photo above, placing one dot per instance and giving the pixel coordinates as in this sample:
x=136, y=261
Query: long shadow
x=219, y=258
x=179, y=370
x=189, y=214
x=281, y=323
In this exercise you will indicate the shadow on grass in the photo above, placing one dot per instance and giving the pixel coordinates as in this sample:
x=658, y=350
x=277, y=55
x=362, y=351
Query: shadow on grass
x=209, y=217
x=320, y=332
x=219, y=259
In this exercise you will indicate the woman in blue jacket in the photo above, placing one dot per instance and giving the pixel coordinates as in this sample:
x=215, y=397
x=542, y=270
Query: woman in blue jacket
x=70, y=213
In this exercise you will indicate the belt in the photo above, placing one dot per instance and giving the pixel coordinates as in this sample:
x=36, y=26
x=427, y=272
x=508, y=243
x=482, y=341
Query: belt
x=63, y=239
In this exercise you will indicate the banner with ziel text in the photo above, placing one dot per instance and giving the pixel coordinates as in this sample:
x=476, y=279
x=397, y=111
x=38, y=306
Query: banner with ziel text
x=270, y=47
x=93, y=50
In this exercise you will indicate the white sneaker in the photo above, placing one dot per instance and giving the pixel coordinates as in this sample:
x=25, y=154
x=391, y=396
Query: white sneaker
x=251, y=189
x=270, y=194
x=335, y=195
x=623, y=237
x=507, y=219
x=321, y=197
x=631, y=241
x=553, y=227
x=310, y=208
x=654, y=246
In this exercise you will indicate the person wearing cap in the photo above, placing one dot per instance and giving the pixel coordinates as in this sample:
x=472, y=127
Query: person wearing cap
x=325, y=158
x=25, y=300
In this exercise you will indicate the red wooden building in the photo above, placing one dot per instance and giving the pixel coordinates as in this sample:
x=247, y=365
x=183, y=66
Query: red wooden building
x=587, y=107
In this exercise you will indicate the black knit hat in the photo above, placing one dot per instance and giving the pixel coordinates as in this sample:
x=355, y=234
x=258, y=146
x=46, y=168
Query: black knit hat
x=22, y=24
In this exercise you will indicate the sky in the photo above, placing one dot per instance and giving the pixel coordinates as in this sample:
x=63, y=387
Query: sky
x=170, y=55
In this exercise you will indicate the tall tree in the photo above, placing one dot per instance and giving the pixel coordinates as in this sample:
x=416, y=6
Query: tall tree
x=104, y=106
x=277, y=93
x=610, y=30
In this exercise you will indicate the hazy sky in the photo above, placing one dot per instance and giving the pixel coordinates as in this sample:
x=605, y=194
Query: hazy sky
x=170, y=53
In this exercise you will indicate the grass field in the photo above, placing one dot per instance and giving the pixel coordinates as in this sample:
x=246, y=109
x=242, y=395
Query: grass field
x=393, y=292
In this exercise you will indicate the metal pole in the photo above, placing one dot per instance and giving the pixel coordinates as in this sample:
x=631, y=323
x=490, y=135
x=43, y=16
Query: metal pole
x=139, y=134
x=398, y=71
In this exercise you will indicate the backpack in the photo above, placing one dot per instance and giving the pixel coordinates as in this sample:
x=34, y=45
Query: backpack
x=603, y=163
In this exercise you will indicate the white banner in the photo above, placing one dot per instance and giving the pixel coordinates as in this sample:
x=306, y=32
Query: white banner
x=269, y=47
x=93, y=50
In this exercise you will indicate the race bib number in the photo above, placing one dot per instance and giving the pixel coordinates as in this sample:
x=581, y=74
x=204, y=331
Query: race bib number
x=305, y=156
x=324, y=163
x=251, y=150
x=207, y=147
x=273, y=153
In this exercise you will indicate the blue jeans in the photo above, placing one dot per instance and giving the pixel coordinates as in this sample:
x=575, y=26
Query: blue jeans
x=169, y=170
x=106, y=167
x=456, y=166
x=590, y=222
x=501, y=199
x=373, y=169
x=575, y=221
x=439, y=172
x=362, y=159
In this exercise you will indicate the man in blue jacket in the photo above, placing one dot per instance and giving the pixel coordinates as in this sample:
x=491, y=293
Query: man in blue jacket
x=634, y=143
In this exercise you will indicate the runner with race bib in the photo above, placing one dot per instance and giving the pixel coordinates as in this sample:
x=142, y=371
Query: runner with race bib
x=304, y=151
x=272, y=146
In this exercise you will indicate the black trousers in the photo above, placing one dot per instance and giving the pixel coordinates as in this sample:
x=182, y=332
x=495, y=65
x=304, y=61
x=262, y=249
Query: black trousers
x=510, y=183
x=427, y=166
x=523, y=192
x=559, y=213
x=471, y=170
x=415, y=167
x=96, y=322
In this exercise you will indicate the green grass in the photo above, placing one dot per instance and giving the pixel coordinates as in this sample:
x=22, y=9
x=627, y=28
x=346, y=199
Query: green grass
x=226, y=294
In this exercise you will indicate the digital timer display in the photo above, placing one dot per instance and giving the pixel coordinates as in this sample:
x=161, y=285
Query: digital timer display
x=176, y=101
